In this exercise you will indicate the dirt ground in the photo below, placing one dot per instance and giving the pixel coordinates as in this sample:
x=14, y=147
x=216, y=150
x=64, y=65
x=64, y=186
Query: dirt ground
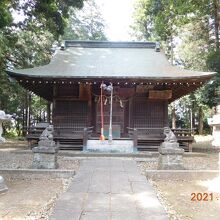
x=176, y=194
x=27, y=199
x=30, y=199
x=176, y=197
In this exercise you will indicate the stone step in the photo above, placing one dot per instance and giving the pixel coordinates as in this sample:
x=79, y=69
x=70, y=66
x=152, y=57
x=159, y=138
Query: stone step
x=122, y=146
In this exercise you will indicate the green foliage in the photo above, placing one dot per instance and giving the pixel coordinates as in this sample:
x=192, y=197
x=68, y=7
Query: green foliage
x=27, y=44
x=196, y=25
x=85, y=24
x=193, y=51
x=160, y=19
x=5, y=15
x=213, y=60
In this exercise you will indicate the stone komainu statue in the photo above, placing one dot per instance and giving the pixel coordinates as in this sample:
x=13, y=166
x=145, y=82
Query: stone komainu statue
x=170, y=136
x=47, y=134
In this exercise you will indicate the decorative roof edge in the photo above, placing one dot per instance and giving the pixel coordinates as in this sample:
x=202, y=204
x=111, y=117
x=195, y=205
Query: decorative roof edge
x=206, y=76
x=109, y=44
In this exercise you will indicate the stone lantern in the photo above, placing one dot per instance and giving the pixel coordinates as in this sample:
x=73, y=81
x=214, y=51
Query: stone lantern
x=215, y=122
x=3, y=118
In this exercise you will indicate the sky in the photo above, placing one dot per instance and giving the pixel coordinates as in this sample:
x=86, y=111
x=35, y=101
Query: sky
x=118, y=17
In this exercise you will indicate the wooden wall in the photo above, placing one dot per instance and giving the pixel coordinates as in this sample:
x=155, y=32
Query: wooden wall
x=71, y=107
x=76, y=106
x=148, y=113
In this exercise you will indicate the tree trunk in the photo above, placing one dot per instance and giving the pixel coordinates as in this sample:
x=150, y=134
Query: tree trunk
x=27, y=110
x=201, y=124
x=216, y=22
x=173, y=116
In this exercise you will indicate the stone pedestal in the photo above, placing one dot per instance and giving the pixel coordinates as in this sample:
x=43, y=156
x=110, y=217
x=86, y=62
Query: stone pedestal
x=170, y=156
x=3, y=187
x=116, y=146
x=45, y=155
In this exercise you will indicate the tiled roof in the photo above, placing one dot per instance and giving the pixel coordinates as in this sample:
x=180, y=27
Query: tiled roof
x=94, y=59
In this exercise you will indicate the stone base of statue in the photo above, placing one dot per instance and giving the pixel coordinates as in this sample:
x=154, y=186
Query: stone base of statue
x=215, y=123
x=2, y=140
x=170, y=156
x=45, y=155
x=3, y=187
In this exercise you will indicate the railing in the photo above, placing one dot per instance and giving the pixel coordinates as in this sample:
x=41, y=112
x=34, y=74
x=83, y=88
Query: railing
x=137, y=133
x=183, y=132
x=61, y=130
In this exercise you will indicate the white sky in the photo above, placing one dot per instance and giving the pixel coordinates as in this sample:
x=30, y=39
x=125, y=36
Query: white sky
x=118, y=17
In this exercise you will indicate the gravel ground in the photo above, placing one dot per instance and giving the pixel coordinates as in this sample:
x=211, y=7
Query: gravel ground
x=12, y=160
x=27, y=199
x=176, y=195
x=205, y=162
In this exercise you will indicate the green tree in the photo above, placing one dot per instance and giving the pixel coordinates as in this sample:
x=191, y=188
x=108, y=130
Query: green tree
x=196, y=25
x=27, y=44
x=86, y=23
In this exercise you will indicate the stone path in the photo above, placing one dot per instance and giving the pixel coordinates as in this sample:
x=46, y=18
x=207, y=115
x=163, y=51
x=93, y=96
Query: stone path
x=109, y=189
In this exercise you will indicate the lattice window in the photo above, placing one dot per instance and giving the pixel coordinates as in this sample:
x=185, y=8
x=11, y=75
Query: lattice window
x=147, y=113
x=71, y=114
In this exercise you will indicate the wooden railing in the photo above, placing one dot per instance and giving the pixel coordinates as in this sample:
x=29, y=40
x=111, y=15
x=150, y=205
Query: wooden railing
x=60, y=132
x=157, y=133
x=183, y=132
x=69, y=130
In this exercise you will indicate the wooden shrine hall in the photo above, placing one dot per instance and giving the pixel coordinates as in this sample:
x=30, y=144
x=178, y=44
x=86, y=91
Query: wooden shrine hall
x=144, y=84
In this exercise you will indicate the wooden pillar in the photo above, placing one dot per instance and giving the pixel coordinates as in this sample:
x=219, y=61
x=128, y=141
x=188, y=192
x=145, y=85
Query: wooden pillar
x=131, y=121
x=48, y=112
x=165, y=114
x=173, y=117
x=28, y=109
x=54, y=103
x=201, y=115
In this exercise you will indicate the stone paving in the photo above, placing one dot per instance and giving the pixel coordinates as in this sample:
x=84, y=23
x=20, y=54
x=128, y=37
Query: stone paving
x=109, y=189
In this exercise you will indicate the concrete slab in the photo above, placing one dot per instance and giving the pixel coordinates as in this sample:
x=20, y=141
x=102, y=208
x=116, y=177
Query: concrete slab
x=109, y=189
x=125, y=215
x=122, y=202
x=119, y=188
x=65, y=214
x=96, y=216
x=100, y=182
x=136, y=177
x=142, y=187
x=97, y=202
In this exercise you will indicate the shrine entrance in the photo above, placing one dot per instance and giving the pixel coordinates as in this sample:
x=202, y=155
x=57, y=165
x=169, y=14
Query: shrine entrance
x=118, y=118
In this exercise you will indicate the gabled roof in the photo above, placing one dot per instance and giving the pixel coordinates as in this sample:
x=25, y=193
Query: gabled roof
x=110, y=60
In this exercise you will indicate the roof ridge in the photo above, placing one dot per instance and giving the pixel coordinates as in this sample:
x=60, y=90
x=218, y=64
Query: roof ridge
x=109, y=44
